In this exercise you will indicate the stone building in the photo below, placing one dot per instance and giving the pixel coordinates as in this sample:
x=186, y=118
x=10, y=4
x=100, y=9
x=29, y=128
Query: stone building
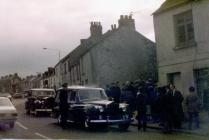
x=48, y=78
x=10, y=83
x=120, y=54
x=182, y=38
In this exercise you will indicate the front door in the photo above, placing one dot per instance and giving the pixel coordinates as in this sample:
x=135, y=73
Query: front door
x=202, y=82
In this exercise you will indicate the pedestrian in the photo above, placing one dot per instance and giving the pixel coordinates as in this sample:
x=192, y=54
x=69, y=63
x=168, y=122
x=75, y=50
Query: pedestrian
x=63, y=105
x=167, y=110
x=177, y=100
x=141, y=109
x=107, y=90
x=115, y=92
x=193, y=108
x=127, y=96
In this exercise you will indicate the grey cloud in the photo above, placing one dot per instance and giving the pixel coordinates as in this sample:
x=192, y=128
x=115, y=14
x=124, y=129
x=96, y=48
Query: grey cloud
x=29, y=25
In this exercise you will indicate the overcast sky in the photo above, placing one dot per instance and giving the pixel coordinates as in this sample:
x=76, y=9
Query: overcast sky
x=26, y=26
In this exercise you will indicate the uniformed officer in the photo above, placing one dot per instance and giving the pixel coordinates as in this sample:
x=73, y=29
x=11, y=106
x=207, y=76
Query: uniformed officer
x=63, y=105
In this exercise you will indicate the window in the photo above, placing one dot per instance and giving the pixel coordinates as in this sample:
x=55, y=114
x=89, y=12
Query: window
x=69, y=66
x=65, y=68
x=184, y=29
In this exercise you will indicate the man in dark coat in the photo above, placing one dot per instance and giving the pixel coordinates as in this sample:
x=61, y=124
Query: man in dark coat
x=128, y=96
x=63, y=105
x=167, y=109
x=115, y=92
x=177, y=100
x=141, y=109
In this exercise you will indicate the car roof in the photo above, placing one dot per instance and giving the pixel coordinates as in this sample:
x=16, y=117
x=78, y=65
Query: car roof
x=4, y=98
x=83, y=87
x=4, y=93
x=41, y=89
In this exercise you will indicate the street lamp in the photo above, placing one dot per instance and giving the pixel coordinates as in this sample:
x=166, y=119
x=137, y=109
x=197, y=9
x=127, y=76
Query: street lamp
x=52, y=49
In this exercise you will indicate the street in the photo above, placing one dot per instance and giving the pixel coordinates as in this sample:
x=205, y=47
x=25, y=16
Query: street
x=31, y=127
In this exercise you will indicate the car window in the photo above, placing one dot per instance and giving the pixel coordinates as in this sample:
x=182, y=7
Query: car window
x=5, y=102
x=42, y=93
x=92, y=94
x=57, y=96
x=71, y=95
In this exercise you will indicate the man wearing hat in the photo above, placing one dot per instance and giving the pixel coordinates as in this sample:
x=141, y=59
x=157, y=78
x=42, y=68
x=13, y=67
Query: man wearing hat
x=63, y=105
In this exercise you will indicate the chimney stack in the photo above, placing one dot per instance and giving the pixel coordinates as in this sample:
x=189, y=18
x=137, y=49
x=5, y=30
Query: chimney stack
x=96, y=30
x=127, y=21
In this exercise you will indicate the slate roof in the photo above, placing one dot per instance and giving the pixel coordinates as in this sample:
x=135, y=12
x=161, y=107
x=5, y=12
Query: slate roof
x=170, y=4
x=84, y=48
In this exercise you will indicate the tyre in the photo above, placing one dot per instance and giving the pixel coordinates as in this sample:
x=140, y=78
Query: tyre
x=124, y=126
x=11, y=124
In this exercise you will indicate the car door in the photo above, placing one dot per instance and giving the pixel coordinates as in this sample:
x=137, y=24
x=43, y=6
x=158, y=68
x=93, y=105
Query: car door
x=72, y=116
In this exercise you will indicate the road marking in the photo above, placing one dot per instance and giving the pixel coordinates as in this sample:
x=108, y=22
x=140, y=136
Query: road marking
x=22, y=126
x=45, y=137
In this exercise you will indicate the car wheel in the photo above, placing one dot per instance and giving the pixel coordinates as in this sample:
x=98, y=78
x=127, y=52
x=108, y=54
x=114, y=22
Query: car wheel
x=124, y=126
x=12, y=124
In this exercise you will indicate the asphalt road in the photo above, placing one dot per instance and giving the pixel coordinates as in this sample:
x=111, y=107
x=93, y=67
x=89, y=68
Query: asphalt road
x=31, y=127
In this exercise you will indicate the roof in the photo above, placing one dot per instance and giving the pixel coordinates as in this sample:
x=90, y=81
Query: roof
x=169, y=4
x=82, y=49
x=83, y=87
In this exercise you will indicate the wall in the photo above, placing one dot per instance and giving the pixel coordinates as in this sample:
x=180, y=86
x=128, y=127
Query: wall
x=187, y=59
x=124, y=55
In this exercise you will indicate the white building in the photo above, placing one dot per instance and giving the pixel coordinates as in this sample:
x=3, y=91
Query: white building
x=182, y=38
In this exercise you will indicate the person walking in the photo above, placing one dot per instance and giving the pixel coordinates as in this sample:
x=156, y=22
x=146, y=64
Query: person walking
x=141, y=109
x=193, y=107
x=63, y=105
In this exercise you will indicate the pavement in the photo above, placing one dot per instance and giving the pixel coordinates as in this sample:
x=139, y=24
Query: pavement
x=203, y=130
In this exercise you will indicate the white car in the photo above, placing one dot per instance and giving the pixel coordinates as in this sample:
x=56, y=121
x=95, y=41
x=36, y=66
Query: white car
x=8, y=113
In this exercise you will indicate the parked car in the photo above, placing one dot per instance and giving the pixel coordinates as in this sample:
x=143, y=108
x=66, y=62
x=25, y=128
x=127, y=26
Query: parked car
x=91, y=107
x=8, y=113
x=6, y=95
x=17, y=95
x=39, y=100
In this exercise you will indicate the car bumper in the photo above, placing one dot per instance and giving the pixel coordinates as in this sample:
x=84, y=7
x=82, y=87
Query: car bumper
x=110, y=121
x=43, y=110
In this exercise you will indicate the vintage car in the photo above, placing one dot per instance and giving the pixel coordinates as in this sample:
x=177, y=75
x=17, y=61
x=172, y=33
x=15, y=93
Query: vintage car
x=90, y=107
x=8, y=113
x=39, y=100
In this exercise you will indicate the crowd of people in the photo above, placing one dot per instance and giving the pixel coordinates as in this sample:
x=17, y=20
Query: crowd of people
x=163, y=105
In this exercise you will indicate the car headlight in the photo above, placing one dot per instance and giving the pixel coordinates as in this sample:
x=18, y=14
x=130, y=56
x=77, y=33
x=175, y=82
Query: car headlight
x=100, y=108
x=124, y=107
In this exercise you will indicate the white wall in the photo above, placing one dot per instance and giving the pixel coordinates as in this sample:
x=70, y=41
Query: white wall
x=186, y=59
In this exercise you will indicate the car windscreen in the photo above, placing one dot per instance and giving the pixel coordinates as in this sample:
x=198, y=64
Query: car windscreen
x=92, y=94
x=42, y=93
x=5, y=102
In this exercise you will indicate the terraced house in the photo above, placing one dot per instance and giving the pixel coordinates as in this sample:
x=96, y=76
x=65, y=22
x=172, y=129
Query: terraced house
x=182, y=38
x=120, y=54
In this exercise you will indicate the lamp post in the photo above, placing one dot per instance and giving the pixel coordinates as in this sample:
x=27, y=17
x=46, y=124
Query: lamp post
x=52, y=49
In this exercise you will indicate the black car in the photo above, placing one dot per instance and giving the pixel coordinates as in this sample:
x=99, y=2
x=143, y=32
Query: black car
x=91, y=107
x=40, y=100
